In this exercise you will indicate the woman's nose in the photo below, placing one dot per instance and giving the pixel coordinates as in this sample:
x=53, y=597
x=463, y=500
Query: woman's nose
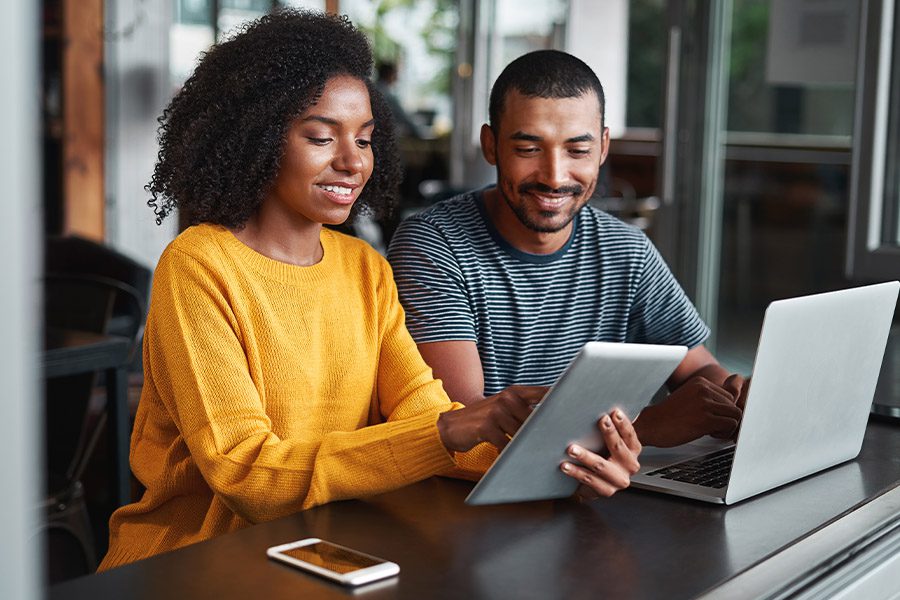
x=349, y=158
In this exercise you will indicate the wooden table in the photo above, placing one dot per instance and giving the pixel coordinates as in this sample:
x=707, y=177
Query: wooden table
x=634, y=545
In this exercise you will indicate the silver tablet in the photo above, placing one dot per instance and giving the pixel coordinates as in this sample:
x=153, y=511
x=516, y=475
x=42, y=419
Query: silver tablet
x=602, y=376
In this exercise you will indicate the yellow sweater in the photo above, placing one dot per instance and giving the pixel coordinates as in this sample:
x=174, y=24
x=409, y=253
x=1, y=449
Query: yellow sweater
x=270, y=388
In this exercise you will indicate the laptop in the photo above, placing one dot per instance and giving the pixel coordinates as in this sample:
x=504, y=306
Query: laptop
x=814, y=378
x=602, y=375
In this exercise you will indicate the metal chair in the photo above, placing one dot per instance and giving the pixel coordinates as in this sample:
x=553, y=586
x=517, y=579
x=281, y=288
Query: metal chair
x=75, y=255
x=84, y=303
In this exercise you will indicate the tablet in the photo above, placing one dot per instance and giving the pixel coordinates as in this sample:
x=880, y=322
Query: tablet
x=602, y=376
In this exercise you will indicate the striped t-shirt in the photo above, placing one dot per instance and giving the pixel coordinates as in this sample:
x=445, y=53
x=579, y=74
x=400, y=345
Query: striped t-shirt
x=529, y=314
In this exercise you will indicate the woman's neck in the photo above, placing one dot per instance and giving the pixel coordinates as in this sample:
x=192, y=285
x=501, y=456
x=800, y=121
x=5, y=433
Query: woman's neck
x=292, y=241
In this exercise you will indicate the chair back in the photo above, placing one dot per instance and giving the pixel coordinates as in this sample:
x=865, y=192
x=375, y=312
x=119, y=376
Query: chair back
x=90, y=288
x=83, y=303
x=75, y=255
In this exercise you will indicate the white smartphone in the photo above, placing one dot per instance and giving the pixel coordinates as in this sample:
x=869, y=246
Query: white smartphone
x=338, y=563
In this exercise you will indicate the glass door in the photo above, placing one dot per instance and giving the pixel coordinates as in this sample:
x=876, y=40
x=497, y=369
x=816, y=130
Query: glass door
x=874, y=241
x=788, y=140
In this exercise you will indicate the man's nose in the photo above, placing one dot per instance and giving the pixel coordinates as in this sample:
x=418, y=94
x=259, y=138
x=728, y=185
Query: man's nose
x=553, y=170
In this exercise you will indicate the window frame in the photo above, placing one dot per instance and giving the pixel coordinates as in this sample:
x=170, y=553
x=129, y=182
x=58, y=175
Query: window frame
x=873, y=207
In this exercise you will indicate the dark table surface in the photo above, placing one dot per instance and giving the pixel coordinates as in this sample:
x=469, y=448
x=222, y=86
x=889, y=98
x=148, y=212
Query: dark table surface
x=634, y=545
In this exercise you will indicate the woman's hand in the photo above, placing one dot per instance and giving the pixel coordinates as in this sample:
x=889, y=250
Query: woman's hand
x=494, y=419
x=601, y=476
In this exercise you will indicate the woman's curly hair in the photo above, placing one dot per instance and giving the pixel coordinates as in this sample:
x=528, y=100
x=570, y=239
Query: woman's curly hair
x=222, y=137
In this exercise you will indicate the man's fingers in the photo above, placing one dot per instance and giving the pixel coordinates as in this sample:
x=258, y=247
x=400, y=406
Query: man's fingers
x=733, y=385
x=742, y=398
x=601, y=476
x=619, y=451
x=723, y=409
x=723, y=427
x=626, y=431
x=605, y=479
x=720, y=395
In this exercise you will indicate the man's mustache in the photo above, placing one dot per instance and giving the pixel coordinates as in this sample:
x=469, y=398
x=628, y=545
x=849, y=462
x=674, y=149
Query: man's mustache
x=575, y=190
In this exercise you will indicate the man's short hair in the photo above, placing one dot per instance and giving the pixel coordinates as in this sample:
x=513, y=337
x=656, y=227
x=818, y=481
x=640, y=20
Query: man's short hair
x=545, y=74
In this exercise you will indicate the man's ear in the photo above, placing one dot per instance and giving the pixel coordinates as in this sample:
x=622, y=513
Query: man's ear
x=488, y=144
x=604, y=145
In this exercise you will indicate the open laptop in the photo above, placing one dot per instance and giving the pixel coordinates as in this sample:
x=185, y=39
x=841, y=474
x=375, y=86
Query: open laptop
x=814, y=377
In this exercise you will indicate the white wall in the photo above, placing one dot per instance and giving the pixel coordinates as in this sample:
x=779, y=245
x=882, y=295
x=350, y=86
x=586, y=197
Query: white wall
x=598, y=34
x=19, y=431
x=137, y=78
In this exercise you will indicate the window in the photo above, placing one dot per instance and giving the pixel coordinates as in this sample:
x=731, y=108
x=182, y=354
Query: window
x=873, y=248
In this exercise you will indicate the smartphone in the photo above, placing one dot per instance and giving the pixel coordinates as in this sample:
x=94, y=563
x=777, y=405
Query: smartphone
x=338, y=563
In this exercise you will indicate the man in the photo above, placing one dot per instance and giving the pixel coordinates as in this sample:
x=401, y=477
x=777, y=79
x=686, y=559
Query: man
x=503, y=285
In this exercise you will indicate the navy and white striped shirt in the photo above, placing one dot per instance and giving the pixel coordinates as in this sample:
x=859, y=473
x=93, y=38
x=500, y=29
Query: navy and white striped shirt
x=529, y=314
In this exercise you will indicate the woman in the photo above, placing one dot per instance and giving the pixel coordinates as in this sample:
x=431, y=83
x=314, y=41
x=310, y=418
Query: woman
x=278, y=371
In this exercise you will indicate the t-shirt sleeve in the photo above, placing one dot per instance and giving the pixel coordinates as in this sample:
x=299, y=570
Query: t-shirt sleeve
x=661, y=312
x=431, y=284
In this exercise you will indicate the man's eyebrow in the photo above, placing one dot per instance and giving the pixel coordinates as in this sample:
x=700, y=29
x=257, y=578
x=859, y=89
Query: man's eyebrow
x=586, y=137
x=528, y=137
x=334, y=122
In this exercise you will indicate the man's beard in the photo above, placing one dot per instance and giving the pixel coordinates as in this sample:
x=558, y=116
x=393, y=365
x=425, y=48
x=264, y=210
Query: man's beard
x=521, y=210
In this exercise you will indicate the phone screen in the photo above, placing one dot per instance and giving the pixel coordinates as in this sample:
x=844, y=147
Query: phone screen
x=332, y=557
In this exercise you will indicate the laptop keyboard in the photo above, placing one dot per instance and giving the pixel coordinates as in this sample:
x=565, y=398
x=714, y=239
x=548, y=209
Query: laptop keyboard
x=711, y=470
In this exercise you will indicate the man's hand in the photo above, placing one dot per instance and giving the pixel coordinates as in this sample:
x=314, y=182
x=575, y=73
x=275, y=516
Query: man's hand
x=601, y=476
x=738, y=386
x=697, y=408
x=494, y=419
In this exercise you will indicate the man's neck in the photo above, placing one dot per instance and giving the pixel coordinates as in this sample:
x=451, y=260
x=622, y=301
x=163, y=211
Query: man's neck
x=516, y=234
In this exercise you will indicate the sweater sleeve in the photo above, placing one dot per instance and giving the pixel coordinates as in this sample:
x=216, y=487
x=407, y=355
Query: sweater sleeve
x=405, y=381
x=195, y=349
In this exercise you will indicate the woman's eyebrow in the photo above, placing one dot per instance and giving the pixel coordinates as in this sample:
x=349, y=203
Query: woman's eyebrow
x=321, y=119
x=335, y=122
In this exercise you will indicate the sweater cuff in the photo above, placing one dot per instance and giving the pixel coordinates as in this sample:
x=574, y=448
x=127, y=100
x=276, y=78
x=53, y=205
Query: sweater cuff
x=417, y=448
